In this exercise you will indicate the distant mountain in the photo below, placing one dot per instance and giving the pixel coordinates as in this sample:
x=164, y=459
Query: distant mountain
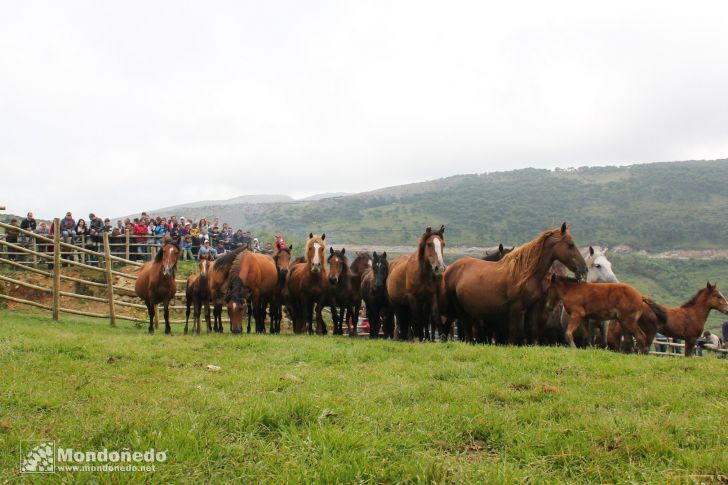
x=327, y=195
x=650, y=206
x=242, y=199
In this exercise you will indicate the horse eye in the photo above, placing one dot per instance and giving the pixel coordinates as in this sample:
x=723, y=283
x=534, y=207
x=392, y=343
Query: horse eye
x=598, y=266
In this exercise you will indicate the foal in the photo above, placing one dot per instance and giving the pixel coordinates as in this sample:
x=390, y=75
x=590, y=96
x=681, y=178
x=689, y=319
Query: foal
x=602, y=301
x=198, y=294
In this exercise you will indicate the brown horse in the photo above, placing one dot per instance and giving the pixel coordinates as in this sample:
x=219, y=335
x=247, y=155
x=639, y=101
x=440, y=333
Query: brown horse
x=282, y=259
x=307, y=286
x=155, y=283
x=361, y=263
x=198, y=294
x=217, y=279
x=685, y=322
x=602, y=301
x=414, y=285
x=509, y=290
x=374, y=294
x=341, y=291
x=253, y=277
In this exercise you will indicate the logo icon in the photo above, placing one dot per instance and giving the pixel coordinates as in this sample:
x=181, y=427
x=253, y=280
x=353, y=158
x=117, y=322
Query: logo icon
x=37, y=456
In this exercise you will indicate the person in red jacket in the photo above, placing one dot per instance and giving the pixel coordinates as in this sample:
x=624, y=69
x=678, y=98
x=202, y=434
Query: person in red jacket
x=140, y=232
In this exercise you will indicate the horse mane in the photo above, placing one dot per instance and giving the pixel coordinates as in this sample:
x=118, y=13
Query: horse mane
x=227, y=259
x=523, y=261
x=694, y=300
x=235, y=285
x=309, y=243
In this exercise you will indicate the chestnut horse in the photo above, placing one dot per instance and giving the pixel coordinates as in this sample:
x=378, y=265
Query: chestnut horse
x=341, y=291
x=601, y=301
x=686, y=322
x=282, y=259
x=155, y=283
x=217, y=278
x=374, y=293
x=511, y=289
x=198, y=294
x=254, y=278
x=307, y=286
x=414, y=285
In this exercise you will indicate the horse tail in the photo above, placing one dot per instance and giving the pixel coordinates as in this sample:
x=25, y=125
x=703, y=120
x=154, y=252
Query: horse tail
x=657, y=310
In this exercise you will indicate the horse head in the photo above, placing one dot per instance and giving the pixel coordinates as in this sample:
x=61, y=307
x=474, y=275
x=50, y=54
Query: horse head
x=715, y=298
x=168, y=256
x=564, y=249
x=432, y=245
x=380, y=267
x=599, y=269
x=338, y=265
x=315, y=252
x=282, y=259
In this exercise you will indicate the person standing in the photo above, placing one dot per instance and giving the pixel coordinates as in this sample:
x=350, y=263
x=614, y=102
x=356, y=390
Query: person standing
x=11, y=236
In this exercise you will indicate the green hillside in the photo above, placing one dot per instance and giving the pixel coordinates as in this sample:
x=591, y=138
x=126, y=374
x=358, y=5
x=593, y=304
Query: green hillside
x=651, y=206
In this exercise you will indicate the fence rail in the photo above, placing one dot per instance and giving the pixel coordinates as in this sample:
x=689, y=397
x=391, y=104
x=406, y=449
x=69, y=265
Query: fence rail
x=58, y=254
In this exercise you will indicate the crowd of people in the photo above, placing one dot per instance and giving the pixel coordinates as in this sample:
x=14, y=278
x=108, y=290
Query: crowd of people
x=196, y=238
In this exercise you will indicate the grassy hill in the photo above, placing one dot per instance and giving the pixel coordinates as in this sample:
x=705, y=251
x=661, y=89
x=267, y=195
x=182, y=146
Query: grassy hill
x=651, y=206
x=287, y=409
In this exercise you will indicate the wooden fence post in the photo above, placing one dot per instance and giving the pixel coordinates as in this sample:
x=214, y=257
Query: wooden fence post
x=127, y=245
x=34, y=247
x=109, y=279
x=82, y=255
x=56, y=267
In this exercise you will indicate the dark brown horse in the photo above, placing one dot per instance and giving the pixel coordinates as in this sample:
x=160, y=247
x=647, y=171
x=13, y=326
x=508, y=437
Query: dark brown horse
x=254, y=278
x=282, y=259
x=685, y=322
x=307, y=287
x=374, y=294
x=498, y=254
x=601, y=301
x=414, y=285
x=341, y=291
x=509, y=290
x=217, y=279
x=198, y=295
x=361, y=263
x=155, y=283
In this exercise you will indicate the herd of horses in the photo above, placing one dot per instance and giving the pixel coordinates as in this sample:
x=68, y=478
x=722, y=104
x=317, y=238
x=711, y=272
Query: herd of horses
x=519, y=295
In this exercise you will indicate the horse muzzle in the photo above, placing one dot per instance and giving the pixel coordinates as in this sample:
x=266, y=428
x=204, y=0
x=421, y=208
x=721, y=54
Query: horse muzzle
x=316, y=268
x=333, y=280
x=168, y=269
x=438, y=269
x=581, y=273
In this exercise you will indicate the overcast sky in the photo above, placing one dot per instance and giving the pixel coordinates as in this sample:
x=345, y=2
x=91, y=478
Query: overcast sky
x=119, y=107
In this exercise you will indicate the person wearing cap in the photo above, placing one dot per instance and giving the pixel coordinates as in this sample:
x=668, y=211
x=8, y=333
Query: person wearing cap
x=206, y=249
x=280, y=243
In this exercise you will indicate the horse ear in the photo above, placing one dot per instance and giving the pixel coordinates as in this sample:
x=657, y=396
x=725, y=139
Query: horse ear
x=709, y=286
x=591, y=251
x=343, y=251
x=331, y=250
x=323, y=236
x=290, y=247
x=442, y=229
x=310, y=235
x=500, y=248
x=563, y=228
x=384, y=255
x=375, y=255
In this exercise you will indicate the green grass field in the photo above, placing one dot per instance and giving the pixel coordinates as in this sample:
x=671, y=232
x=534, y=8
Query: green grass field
x=324, y=409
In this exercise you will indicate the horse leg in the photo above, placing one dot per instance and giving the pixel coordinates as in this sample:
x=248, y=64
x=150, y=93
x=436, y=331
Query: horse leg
x=150, y=309
x=207, y=316
x=516, y=324
x=198, y=316
x=167, y=328
x=187, y=316
x=335, y=320
x=320, y=319
x=373, y=316
x=574, y=323
x=630, y=322
x=689, y=345
x=251, y=310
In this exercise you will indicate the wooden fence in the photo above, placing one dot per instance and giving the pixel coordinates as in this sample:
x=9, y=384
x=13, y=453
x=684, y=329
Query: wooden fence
x=36, y=251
